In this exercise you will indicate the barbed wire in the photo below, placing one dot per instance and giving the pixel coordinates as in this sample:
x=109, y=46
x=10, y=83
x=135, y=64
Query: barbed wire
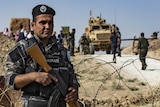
x=125, y=64
x=154, y=96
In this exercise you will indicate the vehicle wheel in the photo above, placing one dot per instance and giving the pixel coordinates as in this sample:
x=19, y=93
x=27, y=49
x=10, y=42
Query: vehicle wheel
x=91, y=48
x=108, y=52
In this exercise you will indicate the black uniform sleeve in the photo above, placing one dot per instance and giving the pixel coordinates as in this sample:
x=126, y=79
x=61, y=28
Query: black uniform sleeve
x=14, y=65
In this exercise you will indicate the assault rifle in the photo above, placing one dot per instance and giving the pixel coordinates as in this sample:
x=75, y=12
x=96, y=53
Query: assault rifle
x=35, y=52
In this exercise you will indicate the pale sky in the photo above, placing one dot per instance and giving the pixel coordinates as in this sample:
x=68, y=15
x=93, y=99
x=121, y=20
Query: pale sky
x=131, y=16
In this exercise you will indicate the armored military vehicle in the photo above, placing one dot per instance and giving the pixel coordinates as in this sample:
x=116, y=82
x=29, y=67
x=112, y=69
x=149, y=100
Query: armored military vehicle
x=98, y=32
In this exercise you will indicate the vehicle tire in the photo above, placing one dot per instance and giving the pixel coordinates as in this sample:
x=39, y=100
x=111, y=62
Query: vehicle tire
x=91, y=48
x=108, y=52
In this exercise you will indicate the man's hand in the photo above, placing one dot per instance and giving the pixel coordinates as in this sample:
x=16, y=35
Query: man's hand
x=40, y=77
x=72, y=96
x=44, y=78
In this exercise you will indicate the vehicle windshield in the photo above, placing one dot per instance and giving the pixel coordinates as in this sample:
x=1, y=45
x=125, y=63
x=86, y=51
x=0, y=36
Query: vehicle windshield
x=105, y=27
x=95, y=27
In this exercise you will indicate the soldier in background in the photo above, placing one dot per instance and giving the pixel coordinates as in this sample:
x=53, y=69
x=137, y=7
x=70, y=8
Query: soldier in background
x=60, y=37
x=155, y=34
x=72, y=41
x=84, y=44
x=114, y=41
x=143, y=49
x=118, y=33
x=119, y=42
x=67, y=43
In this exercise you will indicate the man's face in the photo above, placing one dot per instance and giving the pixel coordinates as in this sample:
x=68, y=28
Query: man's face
x=43, y=26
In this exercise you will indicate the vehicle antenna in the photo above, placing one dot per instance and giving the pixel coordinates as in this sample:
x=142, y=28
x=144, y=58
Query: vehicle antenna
x=90, y=13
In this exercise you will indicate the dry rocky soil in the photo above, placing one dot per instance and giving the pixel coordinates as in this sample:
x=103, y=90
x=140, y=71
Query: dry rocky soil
x=101, y=83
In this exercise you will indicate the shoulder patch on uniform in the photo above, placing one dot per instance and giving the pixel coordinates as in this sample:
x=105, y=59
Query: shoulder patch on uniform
x=14, y=55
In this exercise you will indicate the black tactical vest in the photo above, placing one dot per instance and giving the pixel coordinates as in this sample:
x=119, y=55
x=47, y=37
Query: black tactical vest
x=56, y=57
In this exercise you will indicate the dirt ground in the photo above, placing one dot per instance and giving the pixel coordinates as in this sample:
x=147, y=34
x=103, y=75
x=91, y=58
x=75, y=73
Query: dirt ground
x=101, y=84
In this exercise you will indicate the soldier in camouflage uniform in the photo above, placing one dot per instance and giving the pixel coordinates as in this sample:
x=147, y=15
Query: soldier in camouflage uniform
x=143, y=49
x=84, y=44
x=24, y=73
x=119, y=42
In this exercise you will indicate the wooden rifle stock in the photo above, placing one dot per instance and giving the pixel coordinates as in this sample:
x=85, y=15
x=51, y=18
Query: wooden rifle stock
x=35, y=52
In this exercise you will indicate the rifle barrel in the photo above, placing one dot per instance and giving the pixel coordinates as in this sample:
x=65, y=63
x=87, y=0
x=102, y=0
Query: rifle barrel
x=136, y=39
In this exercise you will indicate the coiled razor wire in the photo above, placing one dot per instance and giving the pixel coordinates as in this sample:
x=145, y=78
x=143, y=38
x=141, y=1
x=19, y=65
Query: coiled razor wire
x=131, y=61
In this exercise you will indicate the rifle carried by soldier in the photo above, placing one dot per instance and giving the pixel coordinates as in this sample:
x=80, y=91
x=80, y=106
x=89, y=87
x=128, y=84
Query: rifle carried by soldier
x=35, y=52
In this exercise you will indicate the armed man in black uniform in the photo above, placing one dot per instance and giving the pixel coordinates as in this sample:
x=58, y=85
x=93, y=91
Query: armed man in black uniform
x=23, y=72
